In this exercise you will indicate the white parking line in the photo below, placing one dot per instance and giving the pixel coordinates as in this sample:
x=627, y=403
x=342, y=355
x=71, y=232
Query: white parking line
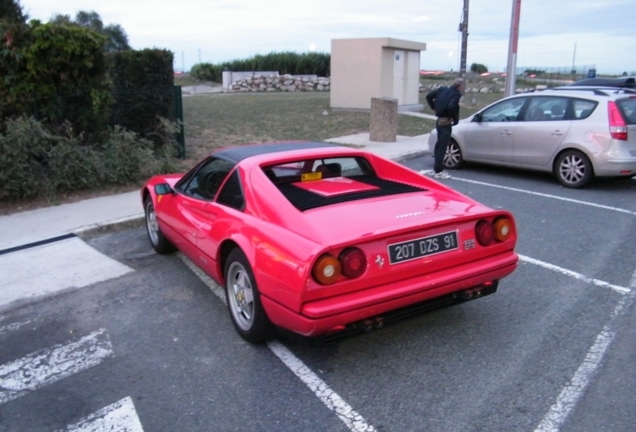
x=616, y=209
x=572, y=392
x=50, y=365
x=120, y=416
x=13, y=327
x=575, y=275
x=343, y=410
x=574, y=389
x=354, y=421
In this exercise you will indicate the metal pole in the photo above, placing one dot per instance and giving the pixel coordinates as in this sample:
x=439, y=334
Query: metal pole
x=512, y=49
x=463, y=27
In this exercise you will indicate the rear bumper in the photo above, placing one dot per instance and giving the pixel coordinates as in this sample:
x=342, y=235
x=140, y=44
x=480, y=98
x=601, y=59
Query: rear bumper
x=334, y=313
x=614, y=167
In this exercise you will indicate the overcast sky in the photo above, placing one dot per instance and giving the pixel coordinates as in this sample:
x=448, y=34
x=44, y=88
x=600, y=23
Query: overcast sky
x=553, y=33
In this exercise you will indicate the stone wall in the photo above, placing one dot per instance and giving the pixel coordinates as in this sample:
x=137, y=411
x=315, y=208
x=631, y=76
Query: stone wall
x=287, y=83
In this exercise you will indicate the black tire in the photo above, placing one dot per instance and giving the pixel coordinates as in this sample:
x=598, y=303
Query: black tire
x=244, y=300
x=573, y=169
x=453, y=158
x=158, y=241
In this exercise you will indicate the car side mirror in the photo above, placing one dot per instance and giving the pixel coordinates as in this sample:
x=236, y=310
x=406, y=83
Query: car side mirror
x=477, y=117
x=163, y=189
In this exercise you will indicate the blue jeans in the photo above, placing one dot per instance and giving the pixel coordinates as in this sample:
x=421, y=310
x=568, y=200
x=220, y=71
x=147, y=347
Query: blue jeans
x=443, y=139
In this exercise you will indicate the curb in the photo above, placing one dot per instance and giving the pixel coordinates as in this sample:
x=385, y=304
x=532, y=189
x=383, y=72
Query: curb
x=92, y=231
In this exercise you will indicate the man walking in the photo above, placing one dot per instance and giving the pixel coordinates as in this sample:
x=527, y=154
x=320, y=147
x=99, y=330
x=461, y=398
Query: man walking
x=445, y=102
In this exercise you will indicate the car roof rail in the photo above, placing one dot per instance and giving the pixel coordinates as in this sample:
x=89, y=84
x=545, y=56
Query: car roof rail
x=596, y=91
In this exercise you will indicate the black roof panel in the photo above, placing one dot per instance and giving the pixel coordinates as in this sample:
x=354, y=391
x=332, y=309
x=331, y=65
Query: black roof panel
x=238, y=153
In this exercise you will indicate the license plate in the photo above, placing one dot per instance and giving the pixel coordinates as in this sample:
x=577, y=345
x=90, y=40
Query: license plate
x=417, y=248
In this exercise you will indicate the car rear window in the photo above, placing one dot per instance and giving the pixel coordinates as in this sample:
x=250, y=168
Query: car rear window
x=628, y=109
x=347, y=179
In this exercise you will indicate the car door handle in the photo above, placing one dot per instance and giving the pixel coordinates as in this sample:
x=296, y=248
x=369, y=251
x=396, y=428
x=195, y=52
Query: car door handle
x=506, y=133
x=557, y=133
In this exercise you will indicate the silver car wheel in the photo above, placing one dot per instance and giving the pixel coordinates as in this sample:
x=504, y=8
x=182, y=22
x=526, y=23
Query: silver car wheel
x=453, y=157
x=573, y=169
x=157, y=240
x=151, y=223
x=240, y=296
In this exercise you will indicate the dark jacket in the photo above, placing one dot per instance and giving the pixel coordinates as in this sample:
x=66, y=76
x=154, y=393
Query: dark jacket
x=445, y=102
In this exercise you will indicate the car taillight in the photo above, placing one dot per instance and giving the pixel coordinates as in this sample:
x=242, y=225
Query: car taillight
x=485, y=232
x=503, y=229
x=326, y=270
x=618, y=127
x=353, y=262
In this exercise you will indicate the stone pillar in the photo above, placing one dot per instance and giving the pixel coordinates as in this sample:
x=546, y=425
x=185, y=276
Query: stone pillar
x=384, y=120
x=227, y=79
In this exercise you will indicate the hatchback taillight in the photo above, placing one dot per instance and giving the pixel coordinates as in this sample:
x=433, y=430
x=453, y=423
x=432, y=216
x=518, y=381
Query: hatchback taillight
x=618, y=127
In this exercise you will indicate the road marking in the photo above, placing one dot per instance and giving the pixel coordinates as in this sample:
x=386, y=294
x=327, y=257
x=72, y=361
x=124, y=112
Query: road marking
x=574, y=389
x=616, y=209
x=13, y=327
x=120, y=416
x=575, y=275
x=354, y=421
x=216, y=289
x=54, y=267
x=572, y=392
x=47, y=366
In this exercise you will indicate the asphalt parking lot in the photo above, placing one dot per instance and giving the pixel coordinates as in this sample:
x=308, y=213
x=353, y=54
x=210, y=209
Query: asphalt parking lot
x=154, y=348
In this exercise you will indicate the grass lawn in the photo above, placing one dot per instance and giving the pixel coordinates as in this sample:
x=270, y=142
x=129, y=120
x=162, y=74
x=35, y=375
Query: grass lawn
x=216, y=120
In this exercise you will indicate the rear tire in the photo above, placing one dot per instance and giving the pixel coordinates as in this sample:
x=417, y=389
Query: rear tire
x=158, y=241
x=573, y=169
x=244, y=300
x=453, y=158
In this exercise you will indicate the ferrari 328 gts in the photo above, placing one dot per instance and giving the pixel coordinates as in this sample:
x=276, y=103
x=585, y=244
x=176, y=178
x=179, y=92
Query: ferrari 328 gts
x=321, y=239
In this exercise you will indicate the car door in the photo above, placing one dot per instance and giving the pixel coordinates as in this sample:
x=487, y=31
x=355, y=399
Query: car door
x=540, y=132
x=489, y=136
x=190, y=217
x=222, y=215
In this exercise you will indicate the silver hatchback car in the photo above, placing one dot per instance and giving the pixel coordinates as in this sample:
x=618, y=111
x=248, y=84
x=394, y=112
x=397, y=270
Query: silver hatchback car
x=577, y=134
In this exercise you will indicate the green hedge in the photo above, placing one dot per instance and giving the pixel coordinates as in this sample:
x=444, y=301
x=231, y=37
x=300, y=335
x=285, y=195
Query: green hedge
x=56, y=74
x=72, y=118
x=143, y=89
x=34, y=162
x=283, y=62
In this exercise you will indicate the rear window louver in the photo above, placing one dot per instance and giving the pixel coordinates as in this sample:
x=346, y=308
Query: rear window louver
x=306, y=200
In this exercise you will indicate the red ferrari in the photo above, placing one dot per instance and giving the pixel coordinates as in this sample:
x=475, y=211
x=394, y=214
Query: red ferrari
x=322, y=239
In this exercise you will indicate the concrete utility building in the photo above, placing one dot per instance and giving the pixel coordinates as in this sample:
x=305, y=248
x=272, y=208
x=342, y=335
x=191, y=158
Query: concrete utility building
x=367, y=68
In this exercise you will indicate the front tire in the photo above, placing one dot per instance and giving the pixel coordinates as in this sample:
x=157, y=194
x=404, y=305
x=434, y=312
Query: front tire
x=453, y=158
x=573, y=169
x=158, y=241
x=244, y=300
